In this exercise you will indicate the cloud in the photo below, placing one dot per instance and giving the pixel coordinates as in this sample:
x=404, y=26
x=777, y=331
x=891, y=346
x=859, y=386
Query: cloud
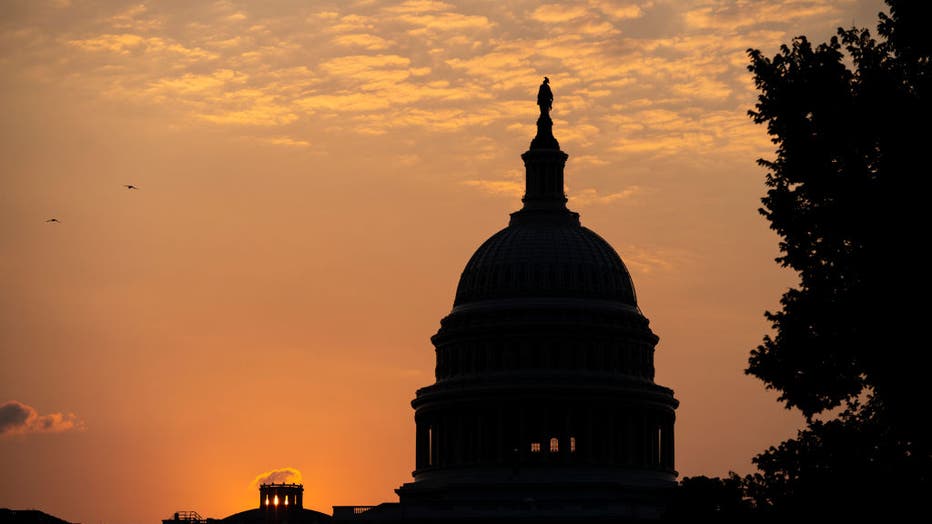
x=626, y=83
x=418, y=6
x=651, y=259
x=128, y=43
x=730, y=16
x=437, y=18
x=556, y=13
x=263, y=113
x=134, y=18
x=662, y=132
x=342, y=102
x=363, y=40
x=117, y=43
x=494, y=63
x=278, y=476
x=408, y=160
x=620, y=12
x=285, y=141
x=589, y=196
x=511, y=188
x=589, y=160
x=190, y=83
x=598, y=29
x=227, y=43
x=579, y=134
x=348, y=23
x=369, y=72
x=17, y=418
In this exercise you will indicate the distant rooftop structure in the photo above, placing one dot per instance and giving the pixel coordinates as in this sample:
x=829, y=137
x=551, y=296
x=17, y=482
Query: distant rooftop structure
x=189, y=517
x=281, y=496
x=279, y=503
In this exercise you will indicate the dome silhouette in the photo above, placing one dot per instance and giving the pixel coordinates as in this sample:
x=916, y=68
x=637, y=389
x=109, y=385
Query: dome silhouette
x=540, y=258
x=544, y=381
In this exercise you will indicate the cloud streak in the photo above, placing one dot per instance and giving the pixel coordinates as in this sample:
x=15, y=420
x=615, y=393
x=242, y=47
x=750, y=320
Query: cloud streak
x=17, y=418
x=648, y=260
x=591, y=196
x=632, y=78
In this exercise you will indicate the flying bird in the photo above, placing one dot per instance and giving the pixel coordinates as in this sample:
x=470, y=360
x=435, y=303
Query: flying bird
x=130, y=186
x=53, y=220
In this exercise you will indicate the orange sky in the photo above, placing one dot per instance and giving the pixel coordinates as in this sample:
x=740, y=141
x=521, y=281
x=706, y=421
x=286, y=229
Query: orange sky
x=313, y=177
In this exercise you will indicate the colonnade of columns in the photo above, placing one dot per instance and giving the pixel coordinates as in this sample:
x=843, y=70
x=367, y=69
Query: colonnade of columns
x=281, y=496
x=631, y=436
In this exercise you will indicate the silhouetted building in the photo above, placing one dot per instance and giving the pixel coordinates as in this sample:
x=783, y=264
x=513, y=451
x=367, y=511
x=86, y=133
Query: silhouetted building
x=278, y=504
x=28, y=516
x=188, y=517
x=544, y=407
x=282, y=496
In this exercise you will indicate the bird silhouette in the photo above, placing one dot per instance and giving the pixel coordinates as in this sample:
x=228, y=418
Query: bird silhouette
x=53, y=220
x=130, y=186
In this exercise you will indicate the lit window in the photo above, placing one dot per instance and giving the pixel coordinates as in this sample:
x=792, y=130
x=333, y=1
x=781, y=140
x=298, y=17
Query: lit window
x=554, y=445
x=535, y=447
x=286, y=500
x=275, y=501
x=266, y=500
x=572, y=444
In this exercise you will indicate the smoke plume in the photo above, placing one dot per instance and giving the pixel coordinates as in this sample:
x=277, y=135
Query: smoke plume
x=278, y=476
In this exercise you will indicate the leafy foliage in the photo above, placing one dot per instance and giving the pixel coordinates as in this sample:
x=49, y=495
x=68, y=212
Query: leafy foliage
x=851, y=123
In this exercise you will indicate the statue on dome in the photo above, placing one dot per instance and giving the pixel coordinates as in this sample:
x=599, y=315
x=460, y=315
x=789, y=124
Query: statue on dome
x=544, y=138
x=545, y=97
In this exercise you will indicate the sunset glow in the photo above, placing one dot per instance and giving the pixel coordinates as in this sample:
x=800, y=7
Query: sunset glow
x=310, y=179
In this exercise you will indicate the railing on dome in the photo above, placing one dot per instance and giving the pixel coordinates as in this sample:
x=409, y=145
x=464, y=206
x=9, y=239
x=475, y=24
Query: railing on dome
x=349, y=511
x=282, y=485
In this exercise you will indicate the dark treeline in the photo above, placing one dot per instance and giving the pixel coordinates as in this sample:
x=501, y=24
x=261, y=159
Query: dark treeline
x=850, y=119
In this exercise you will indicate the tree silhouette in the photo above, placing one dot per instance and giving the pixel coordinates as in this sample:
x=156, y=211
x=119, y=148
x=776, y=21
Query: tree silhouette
x=851, y=122
x=710, y=499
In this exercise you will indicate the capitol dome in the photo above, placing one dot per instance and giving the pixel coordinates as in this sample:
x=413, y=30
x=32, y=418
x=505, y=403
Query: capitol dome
x=545, y=258
x=544, y=406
